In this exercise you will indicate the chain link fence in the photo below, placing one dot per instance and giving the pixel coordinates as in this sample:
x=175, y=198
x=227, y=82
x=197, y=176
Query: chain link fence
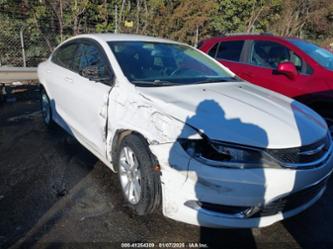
x=22, y=49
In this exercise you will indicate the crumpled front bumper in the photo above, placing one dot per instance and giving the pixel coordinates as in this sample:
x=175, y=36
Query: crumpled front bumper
x=185, y=180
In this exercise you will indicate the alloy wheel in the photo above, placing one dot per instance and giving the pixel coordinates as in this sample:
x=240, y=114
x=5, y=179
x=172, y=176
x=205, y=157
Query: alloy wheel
x=130, y=175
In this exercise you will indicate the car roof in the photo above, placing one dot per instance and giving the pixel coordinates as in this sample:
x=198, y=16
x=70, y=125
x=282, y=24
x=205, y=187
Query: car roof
x=260, y=36
x=107, y=37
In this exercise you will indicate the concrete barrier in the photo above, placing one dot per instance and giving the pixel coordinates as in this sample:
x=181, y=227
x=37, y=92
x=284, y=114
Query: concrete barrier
x=11, y=74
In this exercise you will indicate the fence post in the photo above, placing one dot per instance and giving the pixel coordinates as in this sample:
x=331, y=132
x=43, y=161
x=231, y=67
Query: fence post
x=22, y=46
x=116, y=18
x=196, y=36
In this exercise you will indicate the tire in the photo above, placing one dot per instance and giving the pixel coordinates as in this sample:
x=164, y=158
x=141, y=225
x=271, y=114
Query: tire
x=45, y=107
x=139, y=182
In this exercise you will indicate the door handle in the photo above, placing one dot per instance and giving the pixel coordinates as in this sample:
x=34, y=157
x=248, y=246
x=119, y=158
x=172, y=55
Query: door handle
x=69, y=80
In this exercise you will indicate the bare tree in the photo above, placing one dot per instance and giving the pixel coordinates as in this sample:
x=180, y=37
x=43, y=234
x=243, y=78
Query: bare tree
x=256, y=13
x=57, y=7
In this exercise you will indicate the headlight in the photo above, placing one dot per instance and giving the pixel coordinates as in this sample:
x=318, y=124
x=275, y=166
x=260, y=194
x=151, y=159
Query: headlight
x=220, y=154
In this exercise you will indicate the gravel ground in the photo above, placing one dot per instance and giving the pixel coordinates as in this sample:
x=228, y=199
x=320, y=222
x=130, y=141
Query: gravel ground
x=56, y=194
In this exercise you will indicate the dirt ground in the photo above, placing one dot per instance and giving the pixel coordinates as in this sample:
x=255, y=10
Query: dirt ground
x=55, y=194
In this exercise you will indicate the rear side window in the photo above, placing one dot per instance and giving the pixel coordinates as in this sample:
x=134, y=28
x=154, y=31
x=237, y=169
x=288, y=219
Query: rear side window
x=230, y=50
x=64, y=55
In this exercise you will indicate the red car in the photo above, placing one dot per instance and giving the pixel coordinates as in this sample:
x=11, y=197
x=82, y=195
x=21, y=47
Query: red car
x=291, y=66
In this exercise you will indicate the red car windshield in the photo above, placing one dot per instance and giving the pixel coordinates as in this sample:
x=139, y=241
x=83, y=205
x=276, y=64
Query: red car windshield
x=320, y=55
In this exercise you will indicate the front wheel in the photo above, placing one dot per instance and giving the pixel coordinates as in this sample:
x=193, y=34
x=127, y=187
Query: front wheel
x=139, y=181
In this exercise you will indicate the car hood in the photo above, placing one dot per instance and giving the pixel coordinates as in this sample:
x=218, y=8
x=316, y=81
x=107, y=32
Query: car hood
x=240, y=113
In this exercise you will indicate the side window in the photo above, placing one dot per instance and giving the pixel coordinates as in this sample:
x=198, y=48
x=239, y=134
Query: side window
x=271, y=54
x=64, y=55
x=88, y=55
x=230, y=50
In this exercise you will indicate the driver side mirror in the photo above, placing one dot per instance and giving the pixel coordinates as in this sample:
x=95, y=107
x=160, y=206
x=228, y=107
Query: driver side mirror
x=288, y=69
x=92, y=73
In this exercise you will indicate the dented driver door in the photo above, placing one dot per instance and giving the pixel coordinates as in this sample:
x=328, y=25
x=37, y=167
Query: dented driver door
x=89, y=98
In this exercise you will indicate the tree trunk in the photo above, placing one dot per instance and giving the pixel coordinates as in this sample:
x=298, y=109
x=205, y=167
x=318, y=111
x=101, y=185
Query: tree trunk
x=121, y=13
x=138, y=3
x=61, y=25
x=46, y=39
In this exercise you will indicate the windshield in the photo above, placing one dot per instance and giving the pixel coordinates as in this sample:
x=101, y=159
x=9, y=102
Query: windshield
x=320, y=55
x=158, y=64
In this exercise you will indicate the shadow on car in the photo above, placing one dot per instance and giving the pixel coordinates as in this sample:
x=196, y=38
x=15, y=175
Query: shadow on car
x=208, y=112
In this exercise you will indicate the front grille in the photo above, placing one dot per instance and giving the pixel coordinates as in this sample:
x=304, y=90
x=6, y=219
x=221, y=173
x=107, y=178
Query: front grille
x=305, y=154
x=291, y=201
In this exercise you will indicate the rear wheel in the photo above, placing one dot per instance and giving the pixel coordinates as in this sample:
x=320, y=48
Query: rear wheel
x=45, y=106
x=139, y=181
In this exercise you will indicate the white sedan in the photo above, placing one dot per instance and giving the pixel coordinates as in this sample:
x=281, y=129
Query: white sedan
x=184, y=134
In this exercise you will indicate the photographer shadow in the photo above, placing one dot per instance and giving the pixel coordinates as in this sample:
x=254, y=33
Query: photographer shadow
x=210, y=119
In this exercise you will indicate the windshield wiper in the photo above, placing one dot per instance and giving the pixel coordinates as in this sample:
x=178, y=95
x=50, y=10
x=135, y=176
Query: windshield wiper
x=216, y=80
x=154, y=83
